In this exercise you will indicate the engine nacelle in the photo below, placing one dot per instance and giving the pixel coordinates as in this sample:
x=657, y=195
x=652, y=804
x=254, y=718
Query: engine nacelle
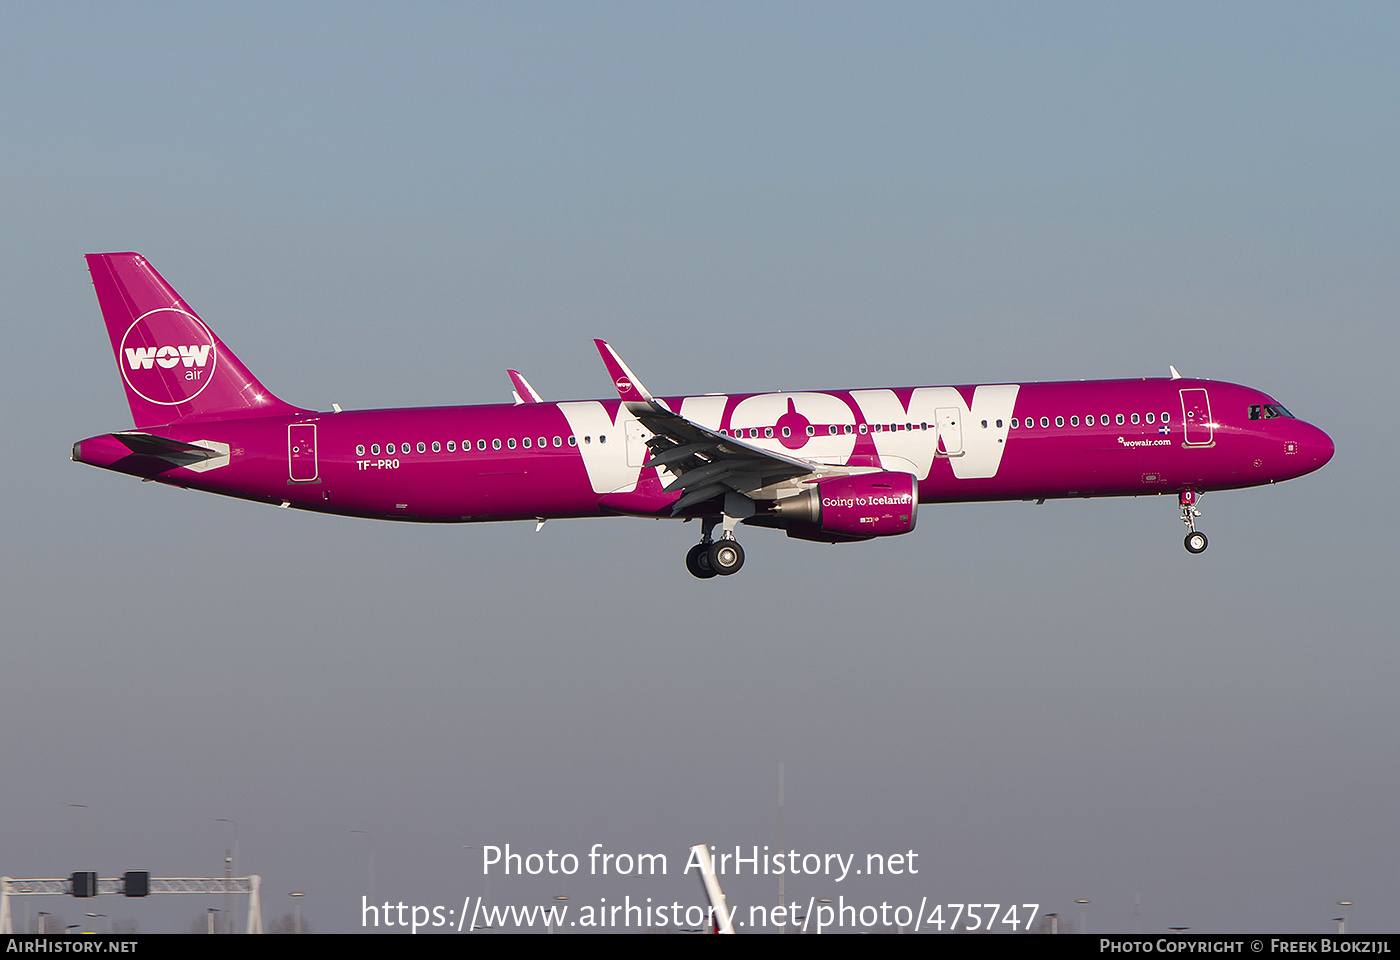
x=861, y=506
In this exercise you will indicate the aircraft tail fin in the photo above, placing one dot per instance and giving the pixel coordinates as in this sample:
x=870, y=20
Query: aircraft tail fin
x=173, y=366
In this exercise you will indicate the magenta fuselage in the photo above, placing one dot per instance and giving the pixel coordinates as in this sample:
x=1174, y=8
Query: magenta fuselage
x=587, y=458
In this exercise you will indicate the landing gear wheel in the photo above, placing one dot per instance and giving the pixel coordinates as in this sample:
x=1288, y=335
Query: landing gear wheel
x=1196, y=542
x=697, y=561
x=726, y=557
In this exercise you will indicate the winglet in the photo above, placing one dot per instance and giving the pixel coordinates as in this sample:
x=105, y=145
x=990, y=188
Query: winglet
x=1175, y=375
x=524, y=393
x=629, y=388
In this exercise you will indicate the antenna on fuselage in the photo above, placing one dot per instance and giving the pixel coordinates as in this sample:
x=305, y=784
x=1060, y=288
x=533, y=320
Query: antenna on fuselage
x=1175, y=375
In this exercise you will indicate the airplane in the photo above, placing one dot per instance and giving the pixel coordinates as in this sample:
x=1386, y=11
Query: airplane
x=830, y=466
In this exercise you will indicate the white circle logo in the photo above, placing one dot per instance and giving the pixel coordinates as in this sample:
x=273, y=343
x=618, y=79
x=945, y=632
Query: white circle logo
x=167, y=356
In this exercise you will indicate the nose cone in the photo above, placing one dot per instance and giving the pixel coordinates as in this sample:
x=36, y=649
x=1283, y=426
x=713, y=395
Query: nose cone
x=1315, y=448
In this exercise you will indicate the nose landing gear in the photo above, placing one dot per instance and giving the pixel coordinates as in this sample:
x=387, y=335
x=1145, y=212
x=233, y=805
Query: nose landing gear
x=1196, y=541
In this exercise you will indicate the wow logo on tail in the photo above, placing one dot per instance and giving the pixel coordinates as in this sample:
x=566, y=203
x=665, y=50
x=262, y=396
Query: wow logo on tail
x=168, y=356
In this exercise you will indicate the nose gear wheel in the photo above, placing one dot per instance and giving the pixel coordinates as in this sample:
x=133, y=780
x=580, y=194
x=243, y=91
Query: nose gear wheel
x=1196, y=541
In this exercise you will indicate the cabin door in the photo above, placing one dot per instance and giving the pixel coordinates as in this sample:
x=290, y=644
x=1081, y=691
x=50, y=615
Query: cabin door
x=1197, y=426
x=301, y=452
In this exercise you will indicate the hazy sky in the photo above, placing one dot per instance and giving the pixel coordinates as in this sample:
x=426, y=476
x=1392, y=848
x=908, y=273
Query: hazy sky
x=382, y=205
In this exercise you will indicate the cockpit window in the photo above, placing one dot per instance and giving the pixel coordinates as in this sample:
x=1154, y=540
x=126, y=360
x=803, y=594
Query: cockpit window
x=1268, y=411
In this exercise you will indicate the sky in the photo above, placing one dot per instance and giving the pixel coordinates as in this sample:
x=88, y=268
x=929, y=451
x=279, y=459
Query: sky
x=389, y=205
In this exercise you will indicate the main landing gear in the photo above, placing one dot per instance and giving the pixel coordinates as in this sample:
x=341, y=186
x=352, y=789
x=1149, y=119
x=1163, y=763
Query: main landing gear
x=1196, y=541
x=711, y=558
x=697, y=561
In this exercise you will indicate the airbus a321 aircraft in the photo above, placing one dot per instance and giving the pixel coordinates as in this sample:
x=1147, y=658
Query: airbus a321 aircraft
x=829, y=465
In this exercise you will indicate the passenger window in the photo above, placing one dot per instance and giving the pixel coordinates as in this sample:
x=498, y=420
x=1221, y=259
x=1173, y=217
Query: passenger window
x=984, y=424
x=998, y=424
x=510, y=442
x=1074, y=421
x=1014, y=424
x=1135, y=419
x=422, y=447
x=496, y=444
x=1104, y=419
x=359, y=449
x=526, y=443
x=389, y=448
x=451, y=446
x=1044, y=421
x=1166, y=417
x=481, y=444
x=1150, y=418
x=811, y=430
x=573, y=441
x=768, y=432
x=437, y=447
x=1118, y=419
x=558, y=442
x=542, y=443
x=374, y=449
x=602, y=438
x=1059, y=421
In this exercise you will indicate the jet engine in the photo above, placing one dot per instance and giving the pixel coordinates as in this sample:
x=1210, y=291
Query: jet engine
x=852, y=508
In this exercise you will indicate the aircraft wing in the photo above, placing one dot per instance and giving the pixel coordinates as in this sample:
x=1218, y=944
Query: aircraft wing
x=704, y=462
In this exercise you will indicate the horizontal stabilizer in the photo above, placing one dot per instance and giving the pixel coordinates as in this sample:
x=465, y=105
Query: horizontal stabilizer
x=147, y=455
x=177, y=452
